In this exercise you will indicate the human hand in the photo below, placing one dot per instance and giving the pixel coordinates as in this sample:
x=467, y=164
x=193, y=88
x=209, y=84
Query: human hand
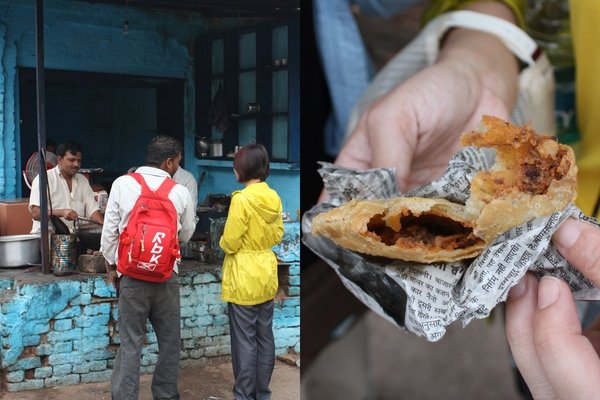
x=416, y=126
x=556, y=358
x=111, y=270
x=68, y=214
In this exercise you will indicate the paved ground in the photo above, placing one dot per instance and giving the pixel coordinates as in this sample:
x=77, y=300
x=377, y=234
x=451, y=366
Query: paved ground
x=469, y=363
x=209, y=382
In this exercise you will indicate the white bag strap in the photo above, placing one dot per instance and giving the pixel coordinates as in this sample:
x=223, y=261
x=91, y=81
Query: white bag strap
x=535, y=101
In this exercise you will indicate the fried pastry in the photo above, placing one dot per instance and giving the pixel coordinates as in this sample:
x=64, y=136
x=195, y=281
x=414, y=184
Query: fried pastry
x=408, y=228
x=533, y=176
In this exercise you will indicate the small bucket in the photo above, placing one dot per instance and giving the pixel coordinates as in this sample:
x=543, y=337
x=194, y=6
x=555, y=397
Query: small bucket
x=63, y=254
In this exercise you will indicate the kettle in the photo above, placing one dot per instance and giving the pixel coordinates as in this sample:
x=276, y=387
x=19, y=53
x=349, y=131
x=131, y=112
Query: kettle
x=202, y=145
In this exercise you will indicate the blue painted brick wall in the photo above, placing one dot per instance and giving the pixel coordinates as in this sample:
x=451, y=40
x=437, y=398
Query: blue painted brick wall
x=64, y=329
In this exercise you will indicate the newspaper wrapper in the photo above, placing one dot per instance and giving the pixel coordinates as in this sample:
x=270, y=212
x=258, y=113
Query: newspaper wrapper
x=425, y=298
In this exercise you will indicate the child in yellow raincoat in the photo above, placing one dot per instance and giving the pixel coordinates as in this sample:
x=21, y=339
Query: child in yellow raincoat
x=254, y=225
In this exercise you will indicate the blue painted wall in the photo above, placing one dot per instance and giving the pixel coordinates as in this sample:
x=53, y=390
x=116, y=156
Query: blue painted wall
x=285, y=182
x=63, y=331
x=81, y=36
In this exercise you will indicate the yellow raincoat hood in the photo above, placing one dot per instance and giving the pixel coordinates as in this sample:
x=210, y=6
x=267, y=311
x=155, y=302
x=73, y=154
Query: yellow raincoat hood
x=253, y=227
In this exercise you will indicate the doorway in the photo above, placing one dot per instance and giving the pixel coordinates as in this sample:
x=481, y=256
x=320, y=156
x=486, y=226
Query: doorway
x=112, y=116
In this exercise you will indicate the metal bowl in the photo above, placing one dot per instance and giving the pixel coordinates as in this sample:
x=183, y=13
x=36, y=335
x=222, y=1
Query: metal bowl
x=19, y=250
x=89, y=236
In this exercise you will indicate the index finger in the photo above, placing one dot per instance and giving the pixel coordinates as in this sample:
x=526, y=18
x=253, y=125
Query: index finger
x=579, y=244
x=356, y=152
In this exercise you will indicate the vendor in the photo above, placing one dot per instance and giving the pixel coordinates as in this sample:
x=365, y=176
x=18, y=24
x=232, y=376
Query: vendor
x=70, y=193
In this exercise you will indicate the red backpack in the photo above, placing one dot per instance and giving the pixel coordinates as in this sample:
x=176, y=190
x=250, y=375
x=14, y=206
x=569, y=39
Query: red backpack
x=148, y=247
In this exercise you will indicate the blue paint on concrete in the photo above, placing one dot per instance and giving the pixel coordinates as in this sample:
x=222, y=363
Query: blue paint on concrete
x=289, y=248
x=63, y=324
x=78, y=340
x=220, y=179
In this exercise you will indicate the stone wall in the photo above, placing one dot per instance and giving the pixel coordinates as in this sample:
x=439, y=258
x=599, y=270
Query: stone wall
x=62, y=331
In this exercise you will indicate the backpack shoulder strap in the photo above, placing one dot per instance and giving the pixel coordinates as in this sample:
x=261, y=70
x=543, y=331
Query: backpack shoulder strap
x=140, y=179
x=165, y=187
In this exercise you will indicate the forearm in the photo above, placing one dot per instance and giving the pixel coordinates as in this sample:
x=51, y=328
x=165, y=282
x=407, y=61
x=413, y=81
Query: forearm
x=483, y=55
x=97, y=217
x=229, y=245
x=36, y=213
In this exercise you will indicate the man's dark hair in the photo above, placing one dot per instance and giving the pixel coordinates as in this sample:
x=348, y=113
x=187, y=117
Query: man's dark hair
x=161, y=148
x=252, y=162
x=68, y=147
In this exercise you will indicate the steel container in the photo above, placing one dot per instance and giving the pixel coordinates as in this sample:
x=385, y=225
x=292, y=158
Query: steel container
x=19, y=250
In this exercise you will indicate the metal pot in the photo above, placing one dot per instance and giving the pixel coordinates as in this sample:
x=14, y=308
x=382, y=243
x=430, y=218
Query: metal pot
x=89, y=235
x=202, y=145
x=205, y=217
x=19, y=250
x=252, y=108
x=202, y=251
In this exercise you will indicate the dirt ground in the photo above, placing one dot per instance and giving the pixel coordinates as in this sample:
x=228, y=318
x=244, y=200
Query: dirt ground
x=208, y=382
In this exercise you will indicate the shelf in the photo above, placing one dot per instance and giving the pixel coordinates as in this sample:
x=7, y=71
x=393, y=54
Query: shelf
x=258, y=115
x=227, y=162
x=230, y=71
x=275, y=67
x=246, y=67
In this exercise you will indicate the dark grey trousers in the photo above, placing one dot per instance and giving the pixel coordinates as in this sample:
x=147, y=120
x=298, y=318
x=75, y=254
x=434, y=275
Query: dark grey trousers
x=140, y=301
x=252, y=350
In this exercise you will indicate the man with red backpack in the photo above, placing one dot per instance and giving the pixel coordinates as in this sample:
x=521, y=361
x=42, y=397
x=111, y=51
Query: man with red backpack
x=147, y=216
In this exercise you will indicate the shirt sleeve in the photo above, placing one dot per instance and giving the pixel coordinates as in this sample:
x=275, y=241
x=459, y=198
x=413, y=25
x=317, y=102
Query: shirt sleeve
x=188, y=219
x=34, y=196
x=235, y=226
x=91, y=205
x=279, y=226
x=110, y=230
x=193, y=188
x=439, y=7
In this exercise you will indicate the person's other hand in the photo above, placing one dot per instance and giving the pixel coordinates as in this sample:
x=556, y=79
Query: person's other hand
x=416, y=126
x=68, y=214
x=556, y=358
x=111, y=271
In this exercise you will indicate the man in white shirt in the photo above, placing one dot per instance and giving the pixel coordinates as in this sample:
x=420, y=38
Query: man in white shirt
x=185, y=178
x=70, y=193
x=141, y=300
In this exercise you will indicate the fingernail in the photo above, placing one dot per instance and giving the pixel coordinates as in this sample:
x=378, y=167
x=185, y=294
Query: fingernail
x=567, y=234
x=548, y=291
x=519, y=289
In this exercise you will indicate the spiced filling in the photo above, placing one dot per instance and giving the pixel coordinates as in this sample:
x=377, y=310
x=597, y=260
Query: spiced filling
x=538, y=172
x=425, y=230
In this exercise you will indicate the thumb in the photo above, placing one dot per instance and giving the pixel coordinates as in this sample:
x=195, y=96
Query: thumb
x=578, y=241
x=569, y=360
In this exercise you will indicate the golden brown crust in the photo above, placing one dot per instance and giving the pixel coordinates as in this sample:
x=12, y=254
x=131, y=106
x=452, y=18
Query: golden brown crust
x=417, y=229
x=533, y=176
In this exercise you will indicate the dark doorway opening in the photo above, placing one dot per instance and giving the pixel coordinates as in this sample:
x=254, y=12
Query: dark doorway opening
x=112, y=116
